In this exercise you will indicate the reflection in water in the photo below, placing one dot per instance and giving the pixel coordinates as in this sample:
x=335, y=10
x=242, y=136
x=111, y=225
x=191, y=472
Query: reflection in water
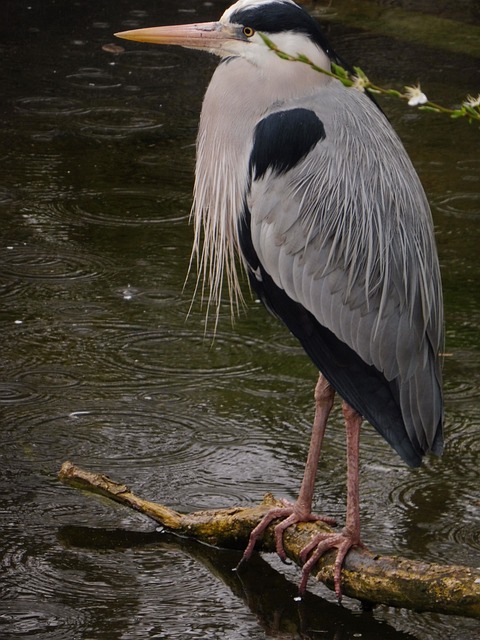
x=100, y=364
x=268, y=594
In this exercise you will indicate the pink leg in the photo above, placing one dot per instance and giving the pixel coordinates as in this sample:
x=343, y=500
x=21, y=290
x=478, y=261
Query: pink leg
x=301, y=510
x=350, y=535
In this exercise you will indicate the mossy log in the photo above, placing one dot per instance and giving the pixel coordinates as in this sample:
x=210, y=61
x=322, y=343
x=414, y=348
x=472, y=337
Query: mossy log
x=366, y=576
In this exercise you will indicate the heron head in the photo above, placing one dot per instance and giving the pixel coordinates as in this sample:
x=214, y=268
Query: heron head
x=237, y=33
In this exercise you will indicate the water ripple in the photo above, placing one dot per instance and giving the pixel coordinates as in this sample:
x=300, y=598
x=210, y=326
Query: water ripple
x=50, y=106
x=125, y=207
x=440, y=531
x=112, y=123
x=49, y=377
x=158, y=352
x=471, y=169
x=11, y=288
x=35, y=263
x=6, y=196
x=462, y=438
x=465, y=534
x=461, y=390
x=93, y=78
x=151, y=60
x=415, y=490
x=25, y=618
x=100, y=431
x=18, y=393
x=461, y=205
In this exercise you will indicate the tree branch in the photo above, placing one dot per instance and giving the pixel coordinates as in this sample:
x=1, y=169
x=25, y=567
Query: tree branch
x=366, y=576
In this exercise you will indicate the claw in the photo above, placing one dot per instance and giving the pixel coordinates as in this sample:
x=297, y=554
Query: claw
x=291, y=516
x=259, y=530
x=322, y=543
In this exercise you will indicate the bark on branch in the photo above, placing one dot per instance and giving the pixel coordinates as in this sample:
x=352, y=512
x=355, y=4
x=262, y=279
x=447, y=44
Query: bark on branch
x=366, y=576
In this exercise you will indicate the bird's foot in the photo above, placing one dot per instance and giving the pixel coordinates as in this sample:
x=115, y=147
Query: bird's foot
x=322, y=543
x=291, y=514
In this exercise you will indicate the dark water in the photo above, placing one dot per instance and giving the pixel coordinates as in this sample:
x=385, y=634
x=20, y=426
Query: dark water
x=99, y=364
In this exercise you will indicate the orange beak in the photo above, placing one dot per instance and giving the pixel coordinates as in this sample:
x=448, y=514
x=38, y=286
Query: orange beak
x=208, y=36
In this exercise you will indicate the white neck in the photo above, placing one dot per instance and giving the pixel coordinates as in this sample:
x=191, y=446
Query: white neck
x=241, y=92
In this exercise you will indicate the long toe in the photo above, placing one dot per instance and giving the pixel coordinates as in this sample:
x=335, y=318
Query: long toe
x=322, y=543
x=259, y=530
x=289, y=515
x=295, y=518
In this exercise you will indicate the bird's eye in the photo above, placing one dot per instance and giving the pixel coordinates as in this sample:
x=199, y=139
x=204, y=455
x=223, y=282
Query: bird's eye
x=248, y=32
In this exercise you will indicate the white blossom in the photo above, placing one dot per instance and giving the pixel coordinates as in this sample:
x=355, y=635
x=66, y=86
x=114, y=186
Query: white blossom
x=415, y=96
x=472, y=102
x=360, y=82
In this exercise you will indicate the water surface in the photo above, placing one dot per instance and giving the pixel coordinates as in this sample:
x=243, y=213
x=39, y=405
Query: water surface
x=100, y=365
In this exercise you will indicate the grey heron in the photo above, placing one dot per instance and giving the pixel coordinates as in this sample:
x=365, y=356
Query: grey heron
x=306, y=182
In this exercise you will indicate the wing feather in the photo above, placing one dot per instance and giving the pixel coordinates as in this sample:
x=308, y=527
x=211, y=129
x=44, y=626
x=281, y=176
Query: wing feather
x=347, y=233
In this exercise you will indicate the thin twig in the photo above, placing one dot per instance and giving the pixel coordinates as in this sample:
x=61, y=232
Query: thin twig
x=413, y=95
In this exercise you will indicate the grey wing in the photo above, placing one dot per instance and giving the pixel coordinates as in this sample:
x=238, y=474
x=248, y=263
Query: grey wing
x=347, y=233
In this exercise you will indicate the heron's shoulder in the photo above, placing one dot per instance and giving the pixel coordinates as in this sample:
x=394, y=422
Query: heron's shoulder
x=283, y=138
x=345, y=109
x=334, y=115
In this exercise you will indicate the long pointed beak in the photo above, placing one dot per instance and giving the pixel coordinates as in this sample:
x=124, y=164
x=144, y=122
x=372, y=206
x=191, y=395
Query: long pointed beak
x=209, y=36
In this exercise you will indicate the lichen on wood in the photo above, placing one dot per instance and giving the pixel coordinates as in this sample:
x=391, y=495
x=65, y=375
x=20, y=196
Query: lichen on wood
x=366, y=576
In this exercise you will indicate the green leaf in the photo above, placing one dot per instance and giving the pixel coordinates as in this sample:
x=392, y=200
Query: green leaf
x=472, y=111
x=361, y=74
x=427, y=108
x=339, y=71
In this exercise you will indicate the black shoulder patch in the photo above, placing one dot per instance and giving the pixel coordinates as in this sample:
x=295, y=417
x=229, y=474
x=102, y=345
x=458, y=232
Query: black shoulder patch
x=282, y=139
